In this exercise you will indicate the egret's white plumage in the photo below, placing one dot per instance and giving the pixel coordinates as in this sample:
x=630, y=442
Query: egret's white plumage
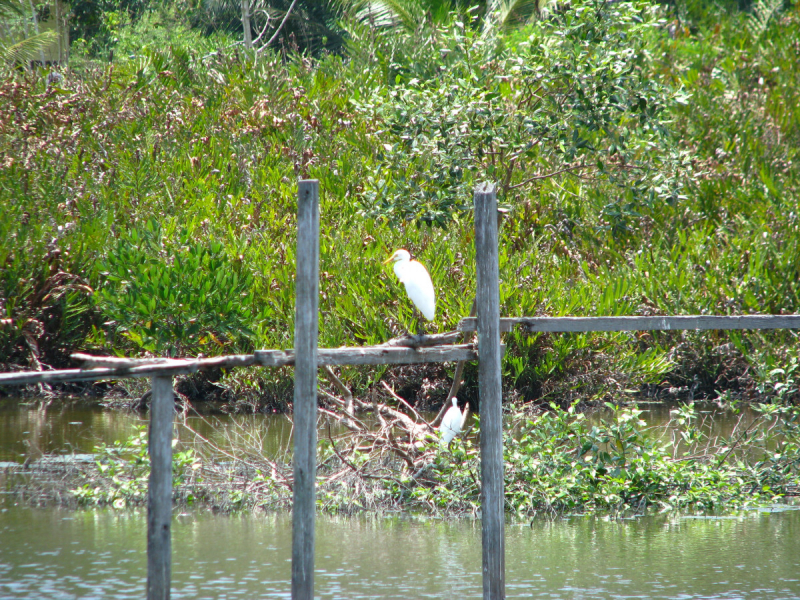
x=417, y=280
x=451, y=423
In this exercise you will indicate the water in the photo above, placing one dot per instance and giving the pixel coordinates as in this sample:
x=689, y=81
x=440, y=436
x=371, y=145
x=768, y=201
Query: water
x=57, y=554
x=27, y=431
x=54, y=555
x=78, y=428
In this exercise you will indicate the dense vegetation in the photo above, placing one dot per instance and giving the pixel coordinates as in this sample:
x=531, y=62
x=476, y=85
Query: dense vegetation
x=648, y=156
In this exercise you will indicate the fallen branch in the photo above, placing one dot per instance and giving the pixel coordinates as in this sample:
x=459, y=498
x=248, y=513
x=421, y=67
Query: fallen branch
x=402, y=401
x=422, y=340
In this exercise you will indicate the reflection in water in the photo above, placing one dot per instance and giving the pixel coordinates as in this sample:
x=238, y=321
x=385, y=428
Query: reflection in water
x=57, y=554
x=78, y=428
x=72, y=429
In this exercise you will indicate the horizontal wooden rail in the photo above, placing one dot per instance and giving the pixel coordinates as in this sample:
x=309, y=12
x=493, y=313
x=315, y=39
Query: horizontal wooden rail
x=105, y=367
x=584, y=324
x=373, y=355
x=159, y=367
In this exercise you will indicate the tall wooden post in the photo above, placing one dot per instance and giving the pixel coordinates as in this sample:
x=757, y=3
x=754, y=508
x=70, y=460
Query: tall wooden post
x=159, y=492
x=490, y=391
x=306, y=330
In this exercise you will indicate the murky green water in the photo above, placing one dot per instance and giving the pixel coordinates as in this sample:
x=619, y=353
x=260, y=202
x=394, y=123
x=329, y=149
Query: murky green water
x=26, y=431
x=53, y=554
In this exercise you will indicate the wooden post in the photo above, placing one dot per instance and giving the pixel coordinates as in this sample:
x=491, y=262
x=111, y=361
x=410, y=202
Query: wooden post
x=306, y=328
x=159, y=492
x=490, y=390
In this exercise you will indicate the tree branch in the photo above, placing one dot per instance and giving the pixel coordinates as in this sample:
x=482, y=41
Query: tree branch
x=278, y=30
x=547, y=175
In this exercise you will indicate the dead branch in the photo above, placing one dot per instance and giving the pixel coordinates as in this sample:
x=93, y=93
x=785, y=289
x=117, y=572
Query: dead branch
x=343, y=390
x=351, y=423
x=548, y=175
x=422, y=340
x=402, y=401
x=277, y=473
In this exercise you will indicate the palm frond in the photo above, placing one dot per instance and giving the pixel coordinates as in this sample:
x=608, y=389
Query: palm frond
x=395, y=14
x=763, y=11
x=27, y=49
x=9, y=8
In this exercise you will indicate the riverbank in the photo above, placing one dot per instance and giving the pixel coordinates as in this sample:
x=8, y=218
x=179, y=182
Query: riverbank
x=147, y=206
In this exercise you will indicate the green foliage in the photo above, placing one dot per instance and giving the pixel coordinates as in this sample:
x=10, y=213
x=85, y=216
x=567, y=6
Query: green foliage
x=22, y=41
x=96, y=22
x=124, y=471
x=11, y=8
x=27, y=49
x=762, y=12
x=310, y=28
x=208, y=143
x=782, y=382
x=563, y=461
x=45, y=305
x=161, y=30
x=177, y=297
x=568, y=94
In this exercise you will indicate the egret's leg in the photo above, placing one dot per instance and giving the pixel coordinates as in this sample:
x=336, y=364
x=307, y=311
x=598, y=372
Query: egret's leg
x=420, y=323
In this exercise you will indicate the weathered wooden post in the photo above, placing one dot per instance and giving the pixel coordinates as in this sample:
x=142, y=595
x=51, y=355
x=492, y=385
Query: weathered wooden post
x=490, y=391
x=306, y=328
x=159, y=492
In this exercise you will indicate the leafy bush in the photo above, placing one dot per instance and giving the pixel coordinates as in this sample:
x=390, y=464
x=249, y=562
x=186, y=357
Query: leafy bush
x=569, y=94
x=562, y=461
x=177, y=297
x=124, y=472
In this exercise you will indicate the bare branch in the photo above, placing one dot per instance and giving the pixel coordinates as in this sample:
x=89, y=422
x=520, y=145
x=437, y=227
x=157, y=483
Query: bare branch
x=402, y=401
x=547, y=175
x=278, y=30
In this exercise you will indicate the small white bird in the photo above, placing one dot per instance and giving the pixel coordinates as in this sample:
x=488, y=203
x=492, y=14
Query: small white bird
x=451, y=423
x=417, y=280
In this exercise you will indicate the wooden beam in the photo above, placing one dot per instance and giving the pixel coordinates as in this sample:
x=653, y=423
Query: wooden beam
x=159, y=490
x=678, y=323
x=90, y=361
x=422, y=340
x=490, y=390
x=372, y=355
x=305, y=390
x=167, y=367
x=118, y=368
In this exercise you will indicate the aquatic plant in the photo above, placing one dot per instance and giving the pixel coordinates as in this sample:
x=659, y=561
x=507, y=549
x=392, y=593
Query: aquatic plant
x=123, y=471
x=560, y=461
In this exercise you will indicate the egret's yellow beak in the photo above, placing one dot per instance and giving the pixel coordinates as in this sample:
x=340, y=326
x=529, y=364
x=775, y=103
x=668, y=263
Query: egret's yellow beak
x=388, y=260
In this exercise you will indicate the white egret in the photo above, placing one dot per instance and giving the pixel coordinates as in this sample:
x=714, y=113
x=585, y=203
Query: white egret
x=415, y=277
x=451, y=423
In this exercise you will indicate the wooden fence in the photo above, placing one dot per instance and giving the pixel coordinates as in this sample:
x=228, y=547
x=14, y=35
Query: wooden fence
x=307, y=358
